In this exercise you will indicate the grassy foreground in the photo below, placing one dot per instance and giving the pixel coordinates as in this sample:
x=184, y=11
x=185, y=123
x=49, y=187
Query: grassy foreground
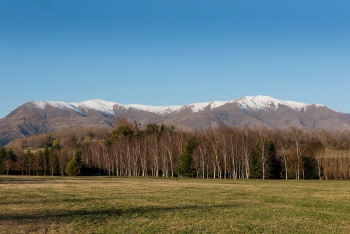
x=147, y=205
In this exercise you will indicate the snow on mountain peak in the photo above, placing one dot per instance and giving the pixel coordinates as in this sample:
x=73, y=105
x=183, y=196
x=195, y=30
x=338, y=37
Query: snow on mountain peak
x=247, y=102
x=265, y=102
x=95, y=104
x=196, y=107
x=61, y=105
x=162, y=110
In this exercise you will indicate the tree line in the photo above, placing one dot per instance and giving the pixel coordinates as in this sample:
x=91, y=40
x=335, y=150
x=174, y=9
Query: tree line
x=162, y=151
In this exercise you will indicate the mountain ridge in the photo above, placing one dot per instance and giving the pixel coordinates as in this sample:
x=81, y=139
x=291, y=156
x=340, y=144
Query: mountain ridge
x=252, y=102
x=251, y=111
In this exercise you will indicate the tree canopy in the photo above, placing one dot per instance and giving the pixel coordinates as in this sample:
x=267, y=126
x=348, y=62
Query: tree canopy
x=74, y=165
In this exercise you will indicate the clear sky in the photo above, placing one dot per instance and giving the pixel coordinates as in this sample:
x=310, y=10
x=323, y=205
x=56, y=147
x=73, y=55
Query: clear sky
x=159, y=52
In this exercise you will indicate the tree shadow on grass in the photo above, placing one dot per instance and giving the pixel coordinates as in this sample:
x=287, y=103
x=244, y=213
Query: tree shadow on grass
x=35, y=179
x=56, y=179
x=49, y=201
x=108, y=213
x=27, y=181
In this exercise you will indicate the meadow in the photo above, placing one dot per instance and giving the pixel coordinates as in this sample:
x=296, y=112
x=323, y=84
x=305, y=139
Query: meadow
x=31, y=204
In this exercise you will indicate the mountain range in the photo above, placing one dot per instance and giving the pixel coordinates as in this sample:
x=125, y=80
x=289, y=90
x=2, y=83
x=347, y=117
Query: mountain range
x=50, y=116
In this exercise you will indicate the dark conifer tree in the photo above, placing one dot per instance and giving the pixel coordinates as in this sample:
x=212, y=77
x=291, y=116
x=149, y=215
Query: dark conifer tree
x=275, y=166
x=184, y=164
x=10, y=158
x=310, y=168
x=2, y=160
x=256, y=169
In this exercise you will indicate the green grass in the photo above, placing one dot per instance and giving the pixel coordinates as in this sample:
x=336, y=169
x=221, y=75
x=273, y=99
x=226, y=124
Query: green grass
x=148, y=205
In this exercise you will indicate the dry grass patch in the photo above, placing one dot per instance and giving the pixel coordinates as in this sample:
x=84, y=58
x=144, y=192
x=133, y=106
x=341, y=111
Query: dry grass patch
x=148, y=205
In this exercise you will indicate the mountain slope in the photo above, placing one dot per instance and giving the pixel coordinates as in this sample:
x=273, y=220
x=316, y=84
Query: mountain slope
x=44, y=117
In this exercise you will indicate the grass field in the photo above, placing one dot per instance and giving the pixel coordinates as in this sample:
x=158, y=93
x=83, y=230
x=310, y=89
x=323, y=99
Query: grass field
x=147, y=205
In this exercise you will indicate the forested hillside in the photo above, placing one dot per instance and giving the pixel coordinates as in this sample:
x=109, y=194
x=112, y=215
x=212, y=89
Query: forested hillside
x=162, y=151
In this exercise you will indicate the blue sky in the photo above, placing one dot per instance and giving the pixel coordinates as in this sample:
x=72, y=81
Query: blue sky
x=174, y=52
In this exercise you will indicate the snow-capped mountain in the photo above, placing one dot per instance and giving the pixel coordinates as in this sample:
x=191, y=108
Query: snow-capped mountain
x=49, y=116
x=265, y=103
x=108, y=108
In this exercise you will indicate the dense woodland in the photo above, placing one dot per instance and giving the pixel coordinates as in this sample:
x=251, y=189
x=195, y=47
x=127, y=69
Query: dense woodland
x=163, y=151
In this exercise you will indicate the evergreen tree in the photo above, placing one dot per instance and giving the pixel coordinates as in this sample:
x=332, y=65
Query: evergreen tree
x=184, y=164
x=2, y=160
x=310, y=168
x=256, y=168
x=10, y=155
x=74, y=166
x=8, y=160
x=275, y=166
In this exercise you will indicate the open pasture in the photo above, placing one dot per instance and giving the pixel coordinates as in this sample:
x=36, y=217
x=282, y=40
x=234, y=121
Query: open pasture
x=147, y=205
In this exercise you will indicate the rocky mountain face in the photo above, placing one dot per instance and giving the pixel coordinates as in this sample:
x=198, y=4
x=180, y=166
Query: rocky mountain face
x=45, y=117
